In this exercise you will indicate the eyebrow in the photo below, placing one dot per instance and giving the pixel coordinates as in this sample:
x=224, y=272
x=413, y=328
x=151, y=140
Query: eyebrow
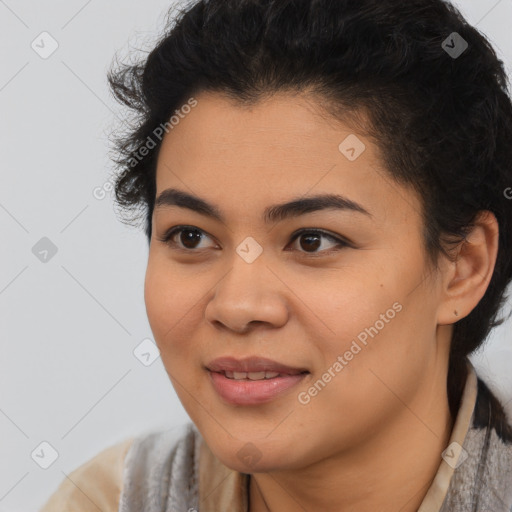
x=272, y=214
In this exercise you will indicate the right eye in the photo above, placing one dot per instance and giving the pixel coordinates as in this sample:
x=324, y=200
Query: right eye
x=188, y=238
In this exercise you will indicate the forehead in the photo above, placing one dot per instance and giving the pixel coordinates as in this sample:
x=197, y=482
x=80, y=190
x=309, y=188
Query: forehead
x=284, y=120
x=281, y=147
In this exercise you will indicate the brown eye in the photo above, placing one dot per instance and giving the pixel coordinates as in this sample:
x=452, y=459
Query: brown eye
x=311, y=240
x=189, y=238
x=185, y=238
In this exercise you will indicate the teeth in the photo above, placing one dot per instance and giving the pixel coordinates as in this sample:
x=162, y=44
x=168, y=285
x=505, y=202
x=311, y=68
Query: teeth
x=250, y=375
x=270, y=375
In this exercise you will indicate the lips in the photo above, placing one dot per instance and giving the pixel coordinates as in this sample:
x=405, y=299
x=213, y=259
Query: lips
x=253, y=380
x=253, y=364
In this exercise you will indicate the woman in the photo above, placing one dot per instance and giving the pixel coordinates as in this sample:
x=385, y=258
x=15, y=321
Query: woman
x=323, y=190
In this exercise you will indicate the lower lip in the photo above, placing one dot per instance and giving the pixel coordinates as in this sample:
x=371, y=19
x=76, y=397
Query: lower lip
x=252, y=392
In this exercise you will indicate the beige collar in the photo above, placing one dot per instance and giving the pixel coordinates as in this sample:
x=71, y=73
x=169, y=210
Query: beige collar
x=437, y=491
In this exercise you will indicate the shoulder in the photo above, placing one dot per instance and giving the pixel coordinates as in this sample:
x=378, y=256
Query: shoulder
x=95, y=485
x=140, y=473
x=161, y=471
x=488, y=447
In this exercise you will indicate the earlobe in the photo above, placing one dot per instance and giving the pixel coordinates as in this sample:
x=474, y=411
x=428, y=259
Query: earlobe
x=472, y=270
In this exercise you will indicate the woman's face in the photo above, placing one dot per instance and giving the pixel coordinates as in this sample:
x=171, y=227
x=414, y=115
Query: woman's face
x=355, y=306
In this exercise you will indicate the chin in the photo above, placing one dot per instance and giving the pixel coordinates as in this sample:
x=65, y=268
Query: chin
x=250, y=462
x=252, y=456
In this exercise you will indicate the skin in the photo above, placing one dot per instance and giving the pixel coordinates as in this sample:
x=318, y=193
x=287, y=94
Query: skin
x=372, y=438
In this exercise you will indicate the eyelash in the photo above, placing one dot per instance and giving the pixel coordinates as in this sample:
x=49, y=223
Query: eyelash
x=341, y=243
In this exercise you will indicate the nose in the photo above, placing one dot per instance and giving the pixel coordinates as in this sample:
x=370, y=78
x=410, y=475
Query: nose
x=249, y=294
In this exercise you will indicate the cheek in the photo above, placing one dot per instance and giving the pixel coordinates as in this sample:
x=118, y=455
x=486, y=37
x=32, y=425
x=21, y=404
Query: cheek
x=175, y=301
x=366, y=312
x=169, y=302
x=156, y=298
x=343, y=302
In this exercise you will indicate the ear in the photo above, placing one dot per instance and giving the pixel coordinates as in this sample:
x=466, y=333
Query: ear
x=467, y=278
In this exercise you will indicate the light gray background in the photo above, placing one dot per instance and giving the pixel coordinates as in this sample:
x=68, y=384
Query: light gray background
x=68, y=375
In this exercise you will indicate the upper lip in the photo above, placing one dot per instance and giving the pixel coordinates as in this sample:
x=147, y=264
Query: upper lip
x=251, y=364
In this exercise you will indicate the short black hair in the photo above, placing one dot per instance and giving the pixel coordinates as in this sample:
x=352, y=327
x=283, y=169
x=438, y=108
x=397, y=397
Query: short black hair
x=439, y=112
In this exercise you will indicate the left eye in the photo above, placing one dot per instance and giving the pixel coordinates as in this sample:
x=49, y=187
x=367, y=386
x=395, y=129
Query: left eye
x=310, y=240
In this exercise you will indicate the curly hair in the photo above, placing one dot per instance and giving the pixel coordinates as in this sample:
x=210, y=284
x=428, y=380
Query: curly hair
x=442, y=122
